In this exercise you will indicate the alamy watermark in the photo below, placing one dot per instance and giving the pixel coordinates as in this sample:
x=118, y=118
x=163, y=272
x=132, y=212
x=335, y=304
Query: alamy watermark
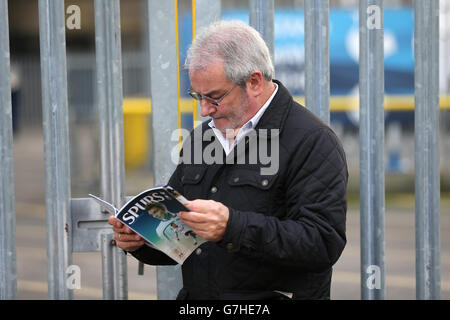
x=73, y=20
x=73, y=280
x=260, y=147
x=374, y=17
x=374, y=279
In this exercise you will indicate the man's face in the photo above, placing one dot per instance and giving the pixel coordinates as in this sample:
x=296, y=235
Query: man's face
x=212, y=82
x=156, y=212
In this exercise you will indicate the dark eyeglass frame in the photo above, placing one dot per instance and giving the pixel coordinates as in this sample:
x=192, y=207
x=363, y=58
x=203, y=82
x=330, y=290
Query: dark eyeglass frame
x=216, y=102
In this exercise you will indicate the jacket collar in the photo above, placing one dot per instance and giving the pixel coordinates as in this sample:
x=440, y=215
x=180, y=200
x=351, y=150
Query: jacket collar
x=275, y=115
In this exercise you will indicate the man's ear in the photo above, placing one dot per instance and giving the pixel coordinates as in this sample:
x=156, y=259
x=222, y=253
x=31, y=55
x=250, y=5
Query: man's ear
x=255, y=83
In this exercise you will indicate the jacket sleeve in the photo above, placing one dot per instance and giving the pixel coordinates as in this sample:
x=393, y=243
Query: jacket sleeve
x=312, y=234
x=152, y=256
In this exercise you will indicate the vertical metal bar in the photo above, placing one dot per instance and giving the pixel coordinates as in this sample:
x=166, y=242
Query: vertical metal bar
x=107, y=265
x=205, y=13
x=427, y=170
x=110, y=112
x=56, y=145
x=371, y=86
x=164, y=92
x=8, y=268
x=261, y=18
x=317, y=58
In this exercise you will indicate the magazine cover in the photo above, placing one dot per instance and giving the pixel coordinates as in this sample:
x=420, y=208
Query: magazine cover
x=153, y=214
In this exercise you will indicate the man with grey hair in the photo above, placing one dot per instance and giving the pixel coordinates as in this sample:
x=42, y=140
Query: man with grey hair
x=270, y=236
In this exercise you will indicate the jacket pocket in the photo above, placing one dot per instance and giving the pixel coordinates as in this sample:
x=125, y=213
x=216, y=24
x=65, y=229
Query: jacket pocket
x=191, y=181
x=251, y=190
x=193, y=175
x=242, y=177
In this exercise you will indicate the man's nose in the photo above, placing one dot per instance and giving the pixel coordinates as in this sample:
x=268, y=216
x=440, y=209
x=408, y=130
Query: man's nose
x=206, y=108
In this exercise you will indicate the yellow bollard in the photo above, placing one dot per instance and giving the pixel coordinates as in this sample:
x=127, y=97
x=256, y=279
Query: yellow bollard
x=136, y=131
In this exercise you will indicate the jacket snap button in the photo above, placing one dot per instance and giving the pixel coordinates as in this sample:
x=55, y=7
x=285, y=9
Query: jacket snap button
x=213, y=189
x=265, y=182
x=198, y=251
x=229, y=246
x=197, y=176
x=236, y=179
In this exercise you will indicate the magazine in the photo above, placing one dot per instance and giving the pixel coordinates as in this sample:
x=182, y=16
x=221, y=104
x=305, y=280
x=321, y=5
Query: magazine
x=153, y=214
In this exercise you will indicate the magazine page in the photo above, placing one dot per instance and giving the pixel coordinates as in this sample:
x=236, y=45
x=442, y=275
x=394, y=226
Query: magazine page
x=153, y=214
x=104, y=204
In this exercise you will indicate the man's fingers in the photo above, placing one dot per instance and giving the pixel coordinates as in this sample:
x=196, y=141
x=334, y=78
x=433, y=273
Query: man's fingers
x=118, y=226
x=126, y=229
x=199, y=205
x=124, y=237
x=113, y=221
x=128, y=241
x=207, y=218
x=192, y=216
x=130, y=246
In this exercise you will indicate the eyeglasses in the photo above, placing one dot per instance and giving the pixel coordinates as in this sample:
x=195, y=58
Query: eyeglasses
x=216, y=102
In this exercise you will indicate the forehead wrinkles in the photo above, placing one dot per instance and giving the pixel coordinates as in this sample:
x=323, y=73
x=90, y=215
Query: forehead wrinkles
x=211, y=78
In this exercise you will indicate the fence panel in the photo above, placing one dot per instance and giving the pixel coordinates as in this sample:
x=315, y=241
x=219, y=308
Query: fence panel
x=426, y=131
x=317, y=58
x=8, y=268
x=56, y=145
x=165, y=117
x=371, y=130
x=110, y=115
x=63, y=215
x=204, y=12
x=262, y=19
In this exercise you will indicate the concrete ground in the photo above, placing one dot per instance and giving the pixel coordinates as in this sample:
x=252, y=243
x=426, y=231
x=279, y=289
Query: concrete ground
x=31, y=239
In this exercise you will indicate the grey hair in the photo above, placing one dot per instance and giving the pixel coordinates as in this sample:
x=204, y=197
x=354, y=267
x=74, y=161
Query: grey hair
x=240, y=47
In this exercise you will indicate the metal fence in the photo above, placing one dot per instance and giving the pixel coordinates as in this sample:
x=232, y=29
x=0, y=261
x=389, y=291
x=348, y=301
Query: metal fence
x=65, y=215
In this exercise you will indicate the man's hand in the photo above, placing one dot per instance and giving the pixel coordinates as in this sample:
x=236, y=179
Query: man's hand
x=207, y=218
x=126, y=238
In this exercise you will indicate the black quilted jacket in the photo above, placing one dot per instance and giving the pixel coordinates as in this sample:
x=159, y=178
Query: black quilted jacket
x=285, y=230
